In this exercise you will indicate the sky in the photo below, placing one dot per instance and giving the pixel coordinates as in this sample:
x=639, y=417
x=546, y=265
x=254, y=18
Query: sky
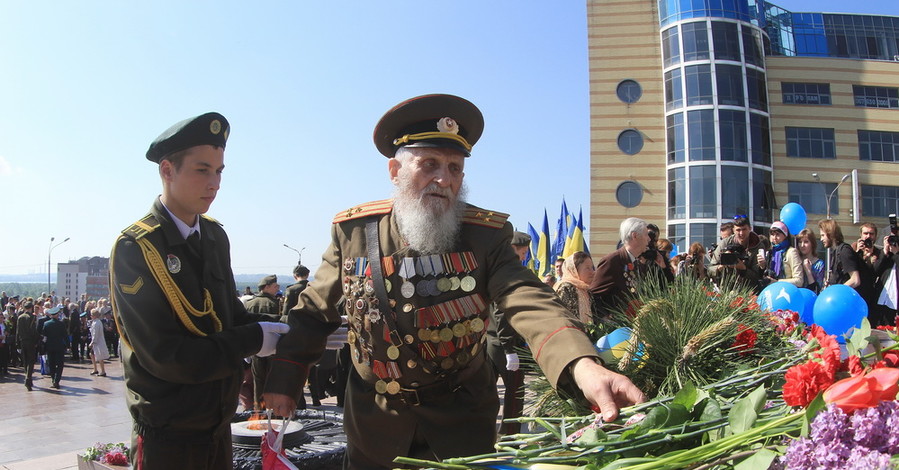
x=86, y=86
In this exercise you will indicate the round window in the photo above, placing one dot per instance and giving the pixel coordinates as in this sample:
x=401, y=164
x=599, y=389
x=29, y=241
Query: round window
x=629, y=91
x=629, y=194
x=630, y=142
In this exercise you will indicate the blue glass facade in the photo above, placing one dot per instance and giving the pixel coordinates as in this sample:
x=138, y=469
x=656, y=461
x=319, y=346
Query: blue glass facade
x=671, y=11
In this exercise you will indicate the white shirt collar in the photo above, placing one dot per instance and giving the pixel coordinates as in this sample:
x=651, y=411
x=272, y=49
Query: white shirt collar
x=183, y=228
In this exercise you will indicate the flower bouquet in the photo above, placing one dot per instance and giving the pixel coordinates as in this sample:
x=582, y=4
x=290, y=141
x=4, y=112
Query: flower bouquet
x=103, y=457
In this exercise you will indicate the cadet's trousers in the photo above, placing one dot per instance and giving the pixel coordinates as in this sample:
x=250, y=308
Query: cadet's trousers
x=154, y=453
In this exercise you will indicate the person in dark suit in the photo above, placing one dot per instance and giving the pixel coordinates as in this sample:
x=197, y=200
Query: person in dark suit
x=54, y=336
x=263, y=302
x=26, y=341
x=619, y=272
x=292, y=293
x=184, y=333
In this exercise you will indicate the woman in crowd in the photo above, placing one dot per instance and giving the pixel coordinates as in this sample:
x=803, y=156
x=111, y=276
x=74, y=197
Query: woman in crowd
x=572, y=289
x=99, y=352
x=693, y=263
x=782, y=262
x=812, y=266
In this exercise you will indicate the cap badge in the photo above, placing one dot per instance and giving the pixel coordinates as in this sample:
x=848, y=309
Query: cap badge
x=174, y=264
x=448, y=125
x=215, y=126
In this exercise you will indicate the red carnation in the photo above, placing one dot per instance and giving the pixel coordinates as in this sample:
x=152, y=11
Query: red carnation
x=804, y=382
x=745, y=340
x=854, y=366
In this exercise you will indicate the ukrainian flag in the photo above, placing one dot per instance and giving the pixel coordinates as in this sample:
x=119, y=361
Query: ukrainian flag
x=543, y=249
x=575, y=241
x=532, y=262
x=561, y=233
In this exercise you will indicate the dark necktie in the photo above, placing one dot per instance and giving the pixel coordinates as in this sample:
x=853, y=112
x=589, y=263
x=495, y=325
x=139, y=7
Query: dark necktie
x=194, y=242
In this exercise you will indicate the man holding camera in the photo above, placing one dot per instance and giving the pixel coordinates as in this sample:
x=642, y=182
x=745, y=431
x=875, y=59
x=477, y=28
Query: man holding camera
x=865, y=245
x=885, y=271
x=735, y=260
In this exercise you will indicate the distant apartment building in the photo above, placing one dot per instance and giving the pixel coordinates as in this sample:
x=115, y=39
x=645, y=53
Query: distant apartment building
x=88, y=275
x=702, y=110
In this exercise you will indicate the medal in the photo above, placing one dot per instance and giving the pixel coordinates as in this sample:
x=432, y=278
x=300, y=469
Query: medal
x=411, y=363
x=446, y=334
x=468, y=283
x=407, y=289
x=435, y=336
x=369, y=287
x=381, y=387
x=393, y=387
x=477, y=325
x=446, y=363
x=424, y=334
x=174, y=264
x=360, y=305
x=351, y=337
x=455, y=283
x=393, y=352
x=422, y=289
x=349, y=264
x=374, y=316
x=407, y=308
x=459, y=330
x=387, y=284
x=444, y=284
x=432, y=287
x=462, y=358
x=409, y=339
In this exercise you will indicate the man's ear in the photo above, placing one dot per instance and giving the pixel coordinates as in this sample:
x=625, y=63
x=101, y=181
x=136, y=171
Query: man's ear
x=166, y=170
x=393, y=167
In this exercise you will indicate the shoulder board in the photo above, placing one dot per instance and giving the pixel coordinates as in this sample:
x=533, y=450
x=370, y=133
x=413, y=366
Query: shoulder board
x=483, y=217
x=362, y=210
x=142, y=227
x=210, y=219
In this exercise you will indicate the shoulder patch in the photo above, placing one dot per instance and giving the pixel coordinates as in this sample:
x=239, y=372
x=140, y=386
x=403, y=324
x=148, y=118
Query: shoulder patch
x=142, y=227
x=383, y=206
x=210, y=219
x=483, y=217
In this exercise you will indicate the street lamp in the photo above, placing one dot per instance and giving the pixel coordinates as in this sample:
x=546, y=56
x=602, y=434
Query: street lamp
x=827, y=200
x=299, y=252
x=49, y=251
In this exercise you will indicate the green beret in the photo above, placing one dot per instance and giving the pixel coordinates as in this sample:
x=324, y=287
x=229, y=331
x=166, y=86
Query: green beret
x=521, y=239
x=205, y=129
x=267, y=281
x=444, y=121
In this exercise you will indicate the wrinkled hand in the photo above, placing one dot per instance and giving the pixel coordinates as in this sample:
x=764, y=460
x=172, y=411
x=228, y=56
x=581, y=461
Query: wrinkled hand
x=337, y=339
x=271, y=333
x=280, y=404
x=604, y=389
x=512, y=362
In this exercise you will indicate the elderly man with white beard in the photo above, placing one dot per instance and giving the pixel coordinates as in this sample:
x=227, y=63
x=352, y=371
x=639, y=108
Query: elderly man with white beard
x=418, y=273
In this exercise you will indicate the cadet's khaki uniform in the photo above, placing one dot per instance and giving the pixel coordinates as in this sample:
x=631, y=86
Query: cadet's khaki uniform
x=184, y=336
x=268, y=305
x=425, y=388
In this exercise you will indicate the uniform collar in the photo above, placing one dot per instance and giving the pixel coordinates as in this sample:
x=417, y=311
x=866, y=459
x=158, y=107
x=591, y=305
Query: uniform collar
x=184, y=229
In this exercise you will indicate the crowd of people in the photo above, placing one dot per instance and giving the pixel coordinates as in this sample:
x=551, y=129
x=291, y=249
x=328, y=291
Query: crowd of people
x=42, y=331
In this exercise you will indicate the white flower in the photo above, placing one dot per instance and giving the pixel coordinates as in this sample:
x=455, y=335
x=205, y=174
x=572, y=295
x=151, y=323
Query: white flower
x=448, y=125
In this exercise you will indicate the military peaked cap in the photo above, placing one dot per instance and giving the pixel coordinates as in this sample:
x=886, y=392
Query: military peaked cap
x=445, y=121
x=205, y=129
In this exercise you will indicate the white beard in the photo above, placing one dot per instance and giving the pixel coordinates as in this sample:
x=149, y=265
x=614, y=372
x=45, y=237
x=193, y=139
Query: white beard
x=428, y=225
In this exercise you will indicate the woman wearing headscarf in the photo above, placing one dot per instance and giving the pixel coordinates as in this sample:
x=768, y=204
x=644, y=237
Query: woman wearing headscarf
x=782, y=262
x=573, y=288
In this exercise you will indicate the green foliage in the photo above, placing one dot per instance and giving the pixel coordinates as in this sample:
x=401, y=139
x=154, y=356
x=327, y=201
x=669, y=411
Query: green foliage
x=24, y=289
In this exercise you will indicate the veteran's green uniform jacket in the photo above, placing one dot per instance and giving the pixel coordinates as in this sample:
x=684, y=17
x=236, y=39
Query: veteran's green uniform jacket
x=438, y=337
x=184, y=332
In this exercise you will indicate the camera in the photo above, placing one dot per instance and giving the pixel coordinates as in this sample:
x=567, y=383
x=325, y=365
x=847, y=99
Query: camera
x=868, y=242
x=732, y=254
x=893, y=239
x=651, y=252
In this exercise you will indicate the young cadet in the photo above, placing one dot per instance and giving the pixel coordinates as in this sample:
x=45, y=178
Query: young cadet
x=184, y=332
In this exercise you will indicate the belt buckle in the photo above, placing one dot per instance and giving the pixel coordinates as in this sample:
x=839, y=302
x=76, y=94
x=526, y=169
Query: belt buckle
x=410, y=397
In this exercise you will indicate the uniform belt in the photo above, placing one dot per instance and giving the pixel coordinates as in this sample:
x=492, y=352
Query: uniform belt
x=414, y=396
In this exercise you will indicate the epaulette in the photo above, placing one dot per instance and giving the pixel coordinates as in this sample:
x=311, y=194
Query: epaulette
x=142, y=227
x=362, y=210
x=483, y=217
x=210, y=219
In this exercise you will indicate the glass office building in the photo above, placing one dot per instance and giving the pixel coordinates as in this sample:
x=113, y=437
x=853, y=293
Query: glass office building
x=736, y=140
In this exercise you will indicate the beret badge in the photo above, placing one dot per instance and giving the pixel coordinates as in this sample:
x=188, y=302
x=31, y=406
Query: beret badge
x=215, y=126
x=448, y=125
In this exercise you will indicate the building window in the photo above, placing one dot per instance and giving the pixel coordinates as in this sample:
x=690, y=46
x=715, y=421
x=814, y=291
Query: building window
x=629, y=91
x=630, y=142
x=696, y=41
x=732, y=131
x=677, y=193
x=810, y=142
x=805, y=93
x=730, y=84
x=701, y=134
x=752, y=47
x=813, y=196
x=878, y=146
x=674, y=94
x=726, y=41
x=629, y=194
x=703, y=197
x=734, y=189
x=757, y=88
x=677, y=233
x=762, y=195
x=675, y=140
x=699, y=84
x=707, y=234
x=760, y=138
x=876, y=96
x=879, y=201
x=670, y=46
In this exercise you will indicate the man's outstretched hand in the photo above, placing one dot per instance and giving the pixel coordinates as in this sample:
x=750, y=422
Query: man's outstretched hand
x=606, y=391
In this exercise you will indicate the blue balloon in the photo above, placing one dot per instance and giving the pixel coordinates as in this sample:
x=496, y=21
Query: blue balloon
x=781, y=296
x=793, y=216
x=674, y=251
x=838, y=309
x=808, y=306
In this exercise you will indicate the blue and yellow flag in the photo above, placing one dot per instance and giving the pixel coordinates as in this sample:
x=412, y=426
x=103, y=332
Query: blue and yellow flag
x=543, y=248
x=561, y=233
x=575, y=241
x=533, y=263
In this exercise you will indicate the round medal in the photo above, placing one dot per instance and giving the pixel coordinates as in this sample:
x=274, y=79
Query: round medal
x=393, y=352
x=477, y=325
x=381, y=387
x=435, y=336
x=407, y=289
x=409, y=339
x=411, y=364
x=360, y=305
x=422, y=289
x=349, y=264
x=444, y=284
x=393, y=388
x=432, y=288
x=447, y=363
x=454, y=283
x=351, y=337
x=468, y=283
x=446, y=334
x=462, y=358
x=408, y=308
x=459, y=330
x=369, y=287
x=388, y=285
x=173, y=263
x=424, y=334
